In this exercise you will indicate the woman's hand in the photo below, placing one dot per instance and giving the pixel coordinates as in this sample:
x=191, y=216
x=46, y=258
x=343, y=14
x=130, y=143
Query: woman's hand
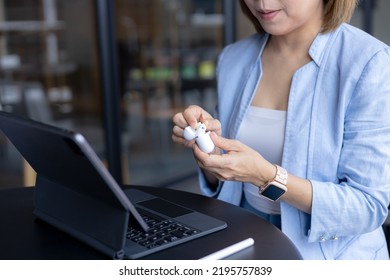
x=190, y=117
x=239, y=163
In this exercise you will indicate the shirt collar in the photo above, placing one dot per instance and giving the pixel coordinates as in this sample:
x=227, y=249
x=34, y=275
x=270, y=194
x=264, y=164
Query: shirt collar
x=317, y=48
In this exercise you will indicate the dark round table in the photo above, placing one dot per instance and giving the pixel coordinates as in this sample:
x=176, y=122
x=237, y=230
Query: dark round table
x=23, y=236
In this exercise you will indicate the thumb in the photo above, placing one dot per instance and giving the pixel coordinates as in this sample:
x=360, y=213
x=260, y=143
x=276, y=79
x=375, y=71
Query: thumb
x=223, y=143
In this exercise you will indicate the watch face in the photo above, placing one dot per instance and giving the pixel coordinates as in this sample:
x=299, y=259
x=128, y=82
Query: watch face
x=273, y=192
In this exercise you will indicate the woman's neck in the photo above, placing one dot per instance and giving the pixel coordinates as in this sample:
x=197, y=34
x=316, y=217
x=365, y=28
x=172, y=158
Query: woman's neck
x=295, y=44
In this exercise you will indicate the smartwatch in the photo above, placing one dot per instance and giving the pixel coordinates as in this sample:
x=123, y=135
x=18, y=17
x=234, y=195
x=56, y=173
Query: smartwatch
x=275, y=188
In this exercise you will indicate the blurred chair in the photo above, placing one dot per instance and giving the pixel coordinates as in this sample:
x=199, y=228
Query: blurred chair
x=28, y=99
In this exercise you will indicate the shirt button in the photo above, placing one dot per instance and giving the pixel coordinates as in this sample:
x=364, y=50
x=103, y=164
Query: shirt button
x=322, y=238
x=335, y=237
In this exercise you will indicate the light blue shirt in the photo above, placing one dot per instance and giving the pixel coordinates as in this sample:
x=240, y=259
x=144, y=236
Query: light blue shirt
x=337, y=136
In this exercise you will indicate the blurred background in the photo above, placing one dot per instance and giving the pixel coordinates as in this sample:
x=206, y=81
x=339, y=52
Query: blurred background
x=117, y=71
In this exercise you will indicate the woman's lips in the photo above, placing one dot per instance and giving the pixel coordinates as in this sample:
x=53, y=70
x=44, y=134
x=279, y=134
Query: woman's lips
x=267, y=14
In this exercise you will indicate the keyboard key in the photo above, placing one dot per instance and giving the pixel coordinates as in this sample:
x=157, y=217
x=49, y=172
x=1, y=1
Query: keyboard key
x=162, y=241
x=150, y=246
x=160, y=232
x=179, y=233
x=171, y=238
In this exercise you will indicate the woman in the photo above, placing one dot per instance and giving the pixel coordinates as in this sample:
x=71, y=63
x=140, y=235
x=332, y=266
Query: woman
x=304, y=104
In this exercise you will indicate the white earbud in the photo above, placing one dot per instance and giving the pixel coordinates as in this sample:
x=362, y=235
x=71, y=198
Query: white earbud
x=202, y=138
x=189, y=133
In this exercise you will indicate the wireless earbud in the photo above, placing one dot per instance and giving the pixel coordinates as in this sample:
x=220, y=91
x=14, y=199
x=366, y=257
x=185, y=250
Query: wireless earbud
x=202, y=138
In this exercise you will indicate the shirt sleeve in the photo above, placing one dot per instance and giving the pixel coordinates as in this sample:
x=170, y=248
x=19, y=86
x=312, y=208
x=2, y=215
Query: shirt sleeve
x=358, y=202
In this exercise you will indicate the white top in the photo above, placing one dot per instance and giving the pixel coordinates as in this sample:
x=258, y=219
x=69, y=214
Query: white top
x=263, y=130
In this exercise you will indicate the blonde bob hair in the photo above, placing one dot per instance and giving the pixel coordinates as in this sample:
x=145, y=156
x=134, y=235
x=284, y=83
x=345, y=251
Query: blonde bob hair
x=336, y=12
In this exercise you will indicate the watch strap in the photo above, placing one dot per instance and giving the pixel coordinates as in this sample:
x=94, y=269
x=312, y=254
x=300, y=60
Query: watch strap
x=281, y=177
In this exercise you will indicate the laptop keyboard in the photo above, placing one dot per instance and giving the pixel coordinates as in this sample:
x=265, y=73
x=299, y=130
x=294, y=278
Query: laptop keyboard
x=160, y=232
